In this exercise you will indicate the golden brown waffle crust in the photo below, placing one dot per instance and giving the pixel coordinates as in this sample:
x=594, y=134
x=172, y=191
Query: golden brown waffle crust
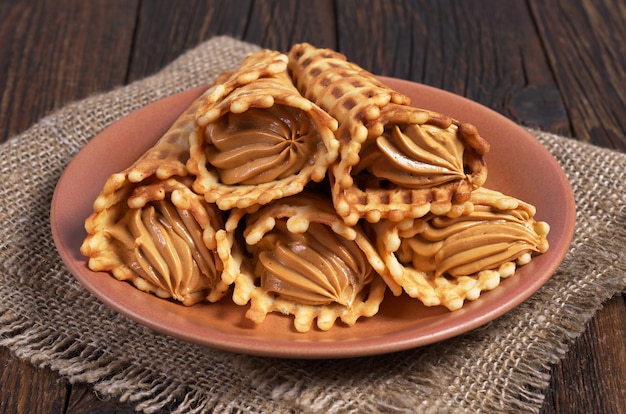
x=260, y=82
x=364, y=106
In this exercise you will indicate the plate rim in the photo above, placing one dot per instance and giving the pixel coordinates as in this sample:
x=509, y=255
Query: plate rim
x=293, y=349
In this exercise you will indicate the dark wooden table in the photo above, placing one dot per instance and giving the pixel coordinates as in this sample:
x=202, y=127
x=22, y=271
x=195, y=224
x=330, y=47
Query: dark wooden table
x=555, y=65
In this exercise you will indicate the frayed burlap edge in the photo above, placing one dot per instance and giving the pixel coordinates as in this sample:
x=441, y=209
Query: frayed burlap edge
x=50, y=320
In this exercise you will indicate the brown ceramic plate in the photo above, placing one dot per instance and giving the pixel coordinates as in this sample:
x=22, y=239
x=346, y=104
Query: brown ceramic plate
x=518, y=166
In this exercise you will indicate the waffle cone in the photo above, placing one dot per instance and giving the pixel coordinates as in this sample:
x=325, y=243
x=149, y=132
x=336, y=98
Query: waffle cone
x=259, y=88
x=307, y=263
x=446, y=261
x=367, y=110
x=157, y=188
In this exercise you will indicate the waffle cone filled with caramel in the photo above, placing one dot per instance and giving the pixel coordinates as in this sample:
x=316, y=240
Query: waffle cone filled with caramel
x=304, y=261
x=149, y=228
x=447, y=260
x=258, y=139
x=395, y=161
x=300, y=184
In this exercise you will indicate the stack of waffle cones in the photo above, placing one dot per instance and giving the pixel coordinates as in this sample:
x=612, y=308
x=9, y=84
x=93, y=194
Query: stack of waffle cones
x=302, y=181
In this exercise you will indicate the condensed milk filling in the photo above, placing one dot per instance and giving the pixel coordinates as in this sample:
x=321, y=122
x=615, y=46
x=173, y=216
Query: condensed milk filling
x=316, y=267
x=165, y=245
x=261, y=145
x=482, y=240
x=414, y=156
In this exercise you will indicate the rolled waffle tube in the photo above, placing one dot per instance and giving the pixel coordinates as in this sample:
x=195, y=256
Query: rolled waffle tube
x=259, y=139
x=306, y=262
x=446, y=261
x=395, y=161
x=149, y=228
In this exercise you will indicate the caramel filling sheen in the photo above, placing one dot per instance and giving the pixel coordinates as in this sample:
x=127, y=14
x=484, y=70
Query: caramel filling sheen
x=261, y=145
x=465, y=245
x=163, y=244
x=315, y=268
x=415, y=156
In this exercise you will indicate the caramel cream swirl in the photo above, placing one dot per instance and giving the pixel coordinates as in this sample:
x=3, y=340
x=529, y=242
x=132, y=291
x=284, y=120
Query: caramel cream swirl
x=317, y=267
x=482, y=240
x=415, y=156
x=261, y=145
x=164, y=245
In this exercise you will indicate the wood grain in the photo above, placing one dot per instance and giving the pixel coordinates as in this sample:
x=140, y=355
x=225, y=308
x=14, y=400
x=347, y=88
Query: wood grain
x=164, y=32
x=584, y=43
x=479, y=50
x=594, y=367
x=53, y=55
x=26, y=389
x=271, y=24
x=278, y=24
x=559, y=66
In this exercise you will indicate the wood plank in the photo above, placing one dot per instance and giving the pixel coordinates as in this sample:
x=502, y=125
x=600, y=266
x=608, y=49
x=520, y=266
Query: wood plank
x=584, y=41
x=594, y=367
x=273, y=24
x=60, y=50
x=479, y=50
x=159, y=23
x=278, y=24
x=17, y=394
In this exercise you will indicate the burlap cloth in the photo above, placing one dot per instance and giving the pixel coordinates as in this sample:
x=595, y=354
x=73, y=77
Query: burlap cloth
x=47, y=318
